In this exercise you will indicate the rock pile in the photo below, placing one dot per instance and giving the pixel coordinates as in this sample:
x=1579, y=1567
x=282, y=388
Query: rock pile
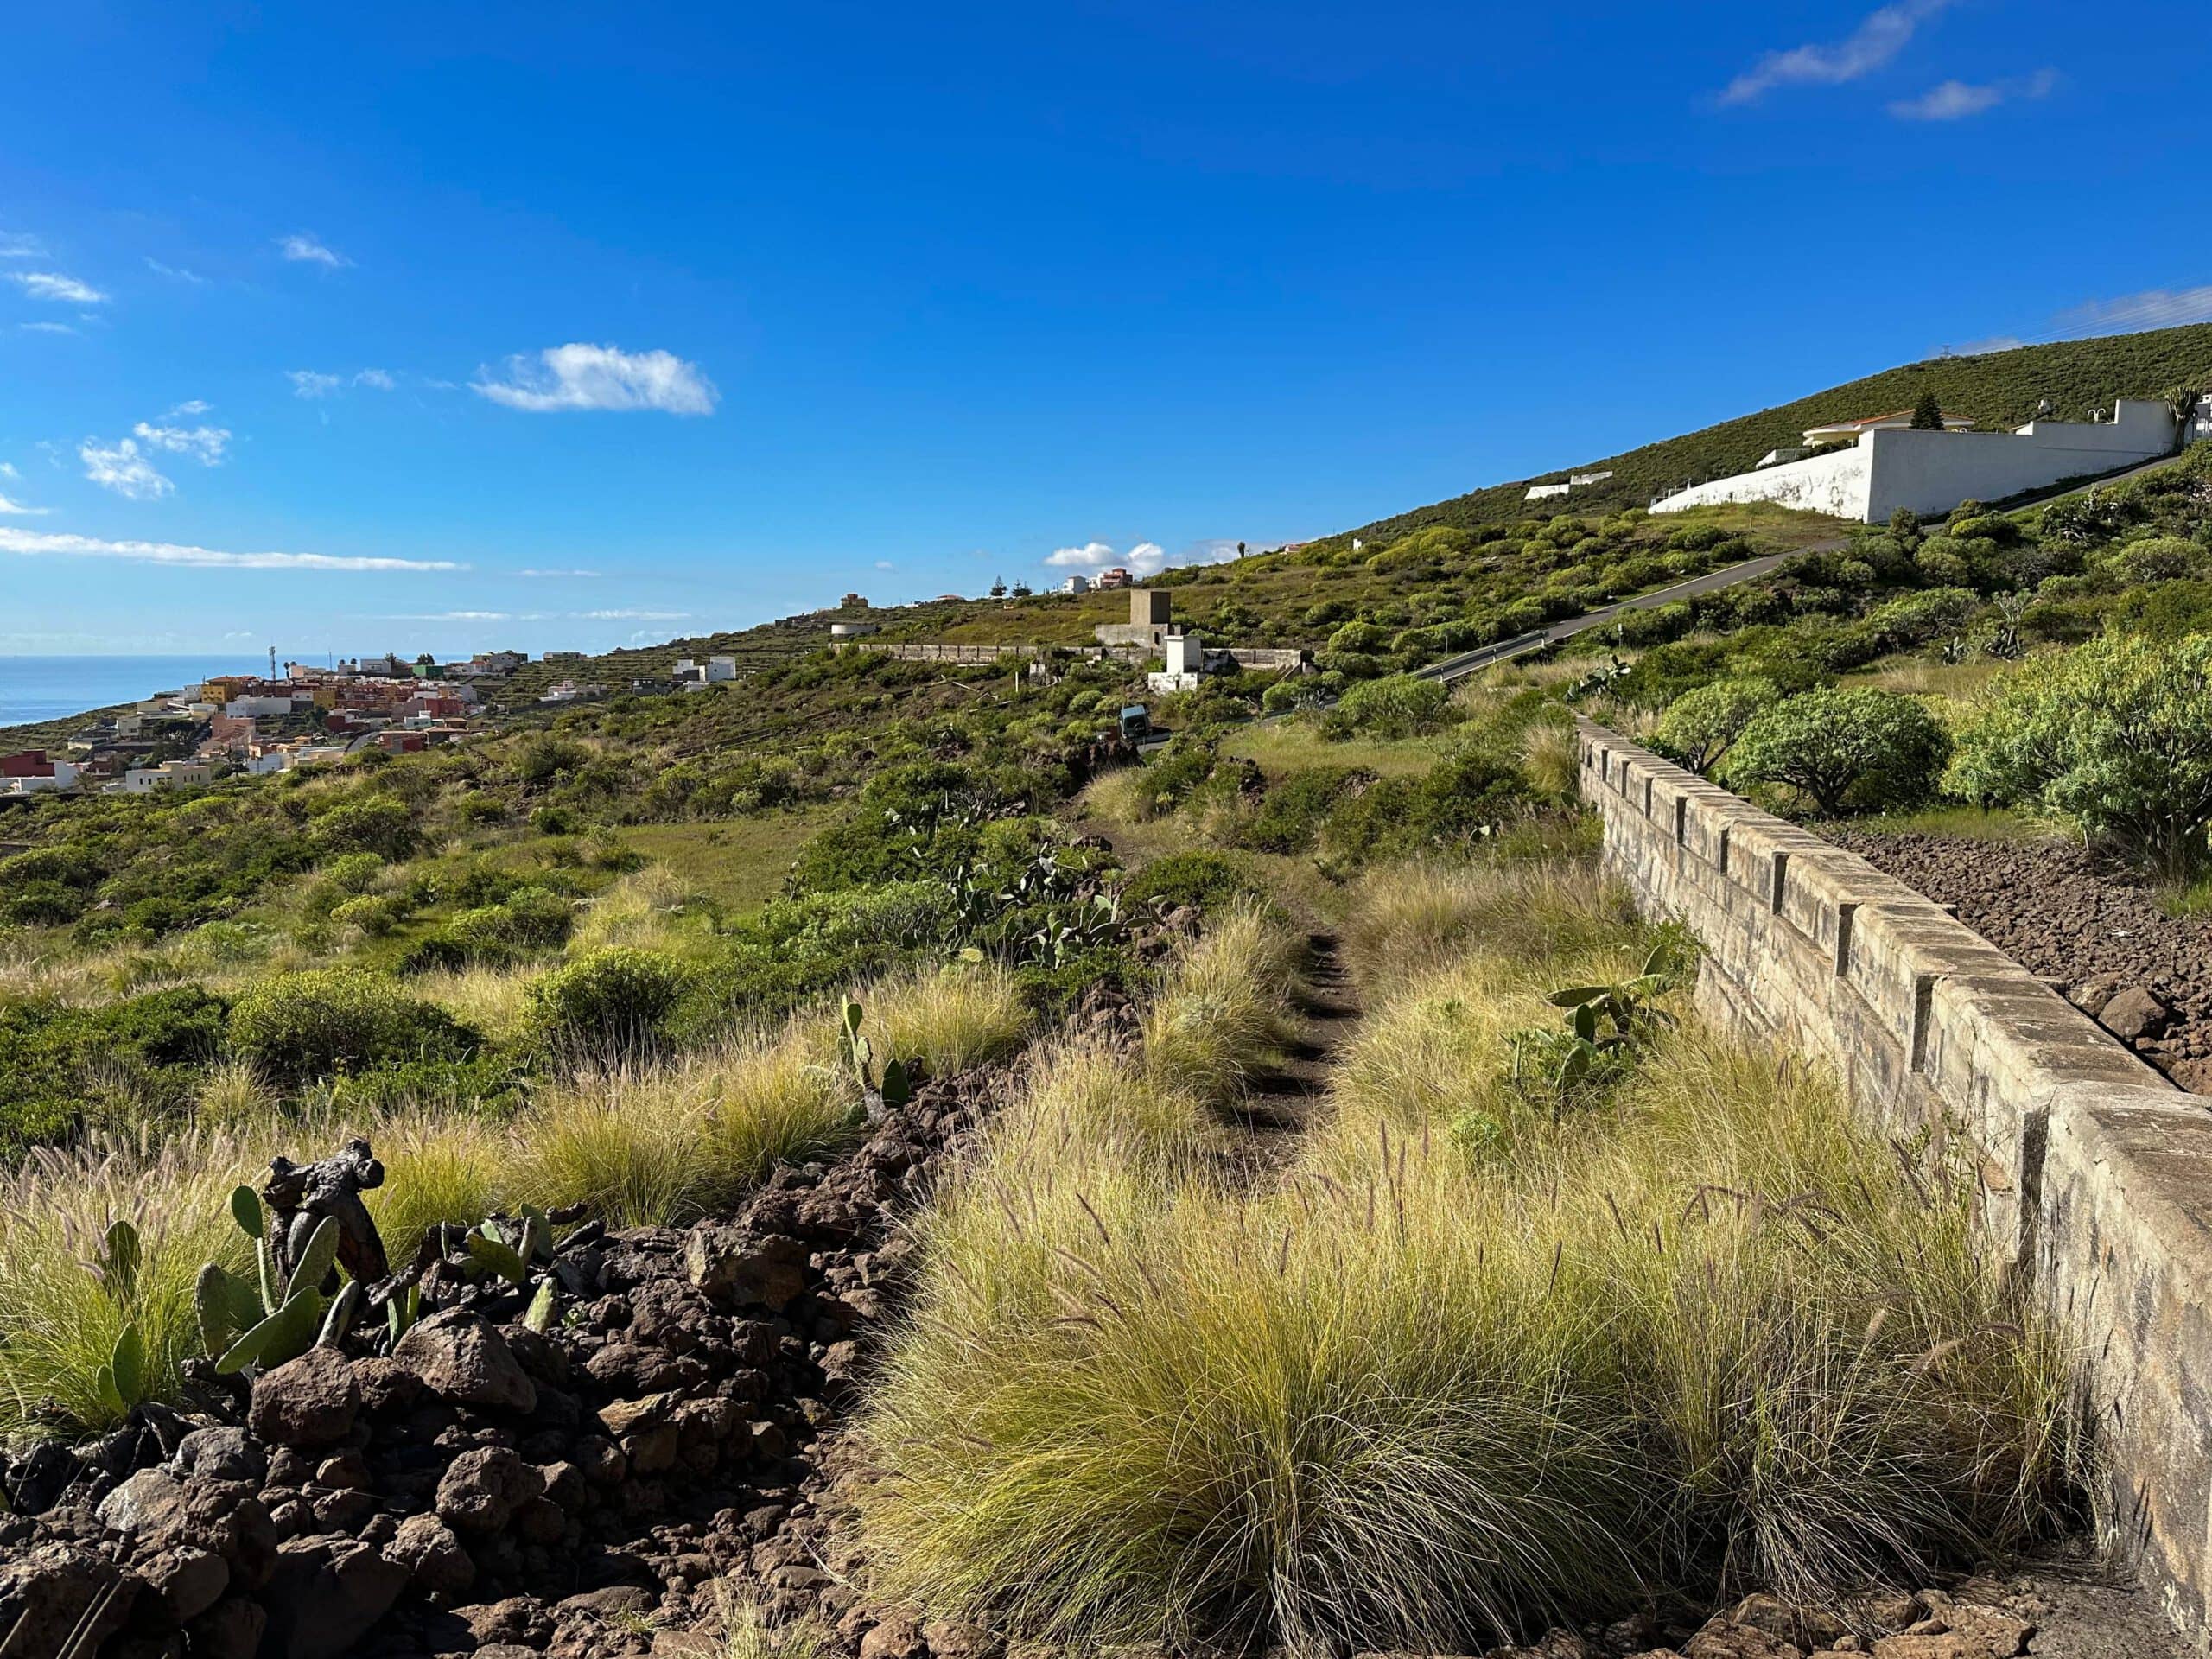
x=487, y=1488
x=2098, y=936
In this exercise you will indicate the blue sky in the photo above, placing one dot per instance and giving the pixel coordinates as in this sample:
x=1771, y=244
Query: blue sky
x=454, y=326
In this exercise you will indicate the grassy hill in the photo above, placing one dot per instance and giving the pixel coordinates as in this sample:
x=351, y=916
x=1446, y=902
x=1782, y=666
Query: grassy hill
x=2000, y=389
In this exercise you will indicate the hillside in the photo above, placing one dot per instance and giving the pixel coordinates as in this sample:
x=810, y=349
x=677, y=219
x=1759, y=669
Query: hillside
x=2000, y=389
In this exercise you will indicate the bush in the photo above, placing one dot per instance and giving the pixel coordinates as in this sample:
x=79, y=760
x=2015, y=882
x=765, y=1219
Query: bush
x=384, y=827
x=332, y=1021
x=1206, y=881
x=1699, y=726
x=2159, y=558
x=1396, y=706
x=1844, y=749
x=613, y=1005
x=2118, y=732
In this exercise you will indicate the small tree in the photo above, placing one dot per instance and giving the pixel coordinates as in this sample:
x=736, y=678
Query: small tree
x=1843, y=749
x=1699, y=726
x=1928, y=414
x=2118, y=732
x=998, y=588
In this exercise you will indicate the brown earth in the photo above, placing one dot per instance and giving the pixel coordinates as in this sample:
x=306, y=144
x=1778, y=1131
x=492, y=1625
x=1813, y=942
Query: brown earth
x=2096, y=932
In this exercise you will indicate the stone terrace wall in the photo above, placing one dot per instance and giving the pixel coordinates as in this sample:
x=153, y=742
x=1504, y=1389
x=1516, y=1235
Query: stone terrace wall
x=2096, y=1173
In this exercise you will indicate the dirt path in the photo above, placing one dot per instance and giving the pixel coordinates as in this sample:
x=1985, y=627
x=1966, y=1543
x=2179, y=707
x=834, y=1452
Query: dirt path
x=1287, y=1098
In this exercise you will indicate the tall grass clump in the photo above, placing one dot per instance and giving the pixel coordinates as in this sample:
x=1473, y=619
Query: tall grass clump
x=60, y=1316
x=1220, y=1008
x=1700, y=1334
x=950, y=1019
x=1405, y=918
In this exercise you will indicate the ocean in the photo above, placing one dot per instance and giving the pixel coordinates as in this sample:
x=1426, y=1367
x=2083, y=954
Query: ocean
x=34, y=689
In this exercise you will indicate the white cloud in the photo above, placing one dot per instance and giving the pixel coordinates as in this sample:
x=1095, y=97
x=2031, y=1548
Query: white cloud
x=1142, y=560
x=90, y=547
x=1879, y=38
x=600, y=377
x=204, y=444
x=558, y=573
x=885, y=564
x=1955, y=100
x=452, y=616
x=189, y=406
x=6, y=506
x=122, y=470
x=8, y=469
x=306, y=382
x=1984, y=347
x=55, y=286
x=302, y=247
x=21, y=245
x=633, y=616
x=380, y=378
x=46, y=327
x=176, y=273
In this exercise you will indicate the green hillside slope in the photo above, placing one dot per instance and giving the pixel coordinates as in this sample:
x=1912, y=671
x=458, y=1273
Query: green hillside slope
x=2000, y=389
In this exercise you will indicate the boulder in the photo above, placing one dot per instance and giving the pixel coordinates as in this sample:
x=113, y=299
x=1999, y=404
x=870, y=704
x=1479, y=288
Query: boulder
x=481, y=1490
x=429, y=1549
x=150, y=1506
x=223, y=1452
x=897, y=1638
x=1960, y=1629
x=461, y=1356
x=1723, y=1638
x=55, y=1590
x=230, y=1629
x=325, y=1593
x=731, y=1266
x=188, y=1580
x=2133, y=1013
x=308, y=1401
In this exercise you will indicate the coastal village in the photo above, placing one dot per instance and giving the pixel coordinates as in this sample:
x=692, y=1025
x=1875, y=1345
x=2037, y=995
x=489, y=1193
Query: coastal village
x=303, y=716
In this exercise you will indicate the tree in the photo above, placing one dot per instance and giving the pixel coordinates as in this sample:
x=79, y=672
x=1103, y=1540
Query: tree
x=1928, y=414
x=1021, y=590
x=998, y=588
x=1843, y=749
x=1699, y=726
x=2118, y=732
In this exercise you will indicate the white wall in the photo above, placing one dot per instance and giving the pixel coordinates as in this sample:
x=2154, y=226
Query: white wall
x=1838, y=483
x=1933, y=472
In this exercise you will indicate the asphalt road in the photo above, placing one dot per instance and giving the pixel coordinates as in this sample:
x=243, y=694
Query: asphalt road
x=1470, y=662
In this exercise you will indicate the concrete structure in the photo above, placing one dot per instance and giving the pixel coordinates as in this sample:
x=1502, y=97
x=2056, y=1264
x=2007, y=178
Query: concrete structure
x=1117, y=577
x=2200, y=421
x=850, y=630
x=2093, y=1170
x=1075, y=585
x=1888, y=468
x=1149, y=611
x=33, y=772
x=1576, y=481
x=716, y=670
x=1187, y=663
x=1545, y=492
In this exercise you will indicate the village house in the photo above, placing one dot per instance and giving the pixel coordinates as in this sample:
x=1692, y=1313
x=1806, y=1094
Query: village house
x=31, y=770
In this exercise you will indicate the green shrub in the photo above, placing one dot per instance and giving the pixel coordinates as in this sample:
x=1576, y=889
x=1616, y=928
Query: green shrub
x=332, y=1021
x=384, y=827
x=1843, y=749
x=2157, y=558
x=1700, y=725
x=1206, y=881
x=613, y=1005
x=2118, y=732
x=1397, y=706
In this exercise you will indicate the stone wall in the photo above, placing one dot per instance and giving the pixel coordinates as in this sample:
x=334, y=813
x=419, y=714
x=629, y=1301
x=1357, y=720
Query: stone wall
x=2096, y=1174
x=1261, y=657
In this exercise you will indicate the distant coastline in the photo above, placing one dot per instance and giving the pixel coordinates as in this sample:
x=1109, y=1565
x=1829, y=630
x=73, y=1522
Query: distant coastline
x=38, y=691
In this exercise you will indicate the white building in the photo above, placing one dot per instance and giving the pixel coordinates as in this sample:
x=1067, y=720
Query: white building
x=1075, y=585
x=1545, y=491
x=1885, y=467
x=716, y=670
x=1187, y=663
